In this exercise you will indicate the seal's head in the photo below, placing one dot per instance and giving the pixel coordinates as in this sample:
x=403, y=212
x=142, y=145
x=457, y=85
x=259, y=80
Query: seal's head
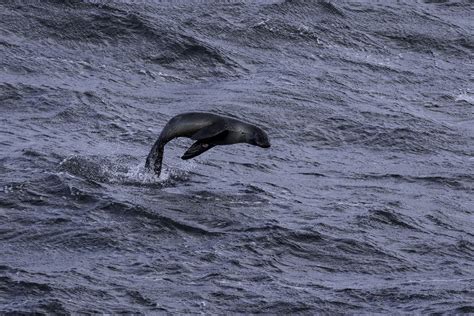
x=259, y=138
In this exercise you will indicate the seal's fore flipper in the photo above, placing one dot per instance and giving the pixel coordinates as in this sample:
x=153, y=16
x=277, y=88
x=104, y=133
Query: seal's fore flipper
x=209, y=131
x=203, y=145
x=196, y=149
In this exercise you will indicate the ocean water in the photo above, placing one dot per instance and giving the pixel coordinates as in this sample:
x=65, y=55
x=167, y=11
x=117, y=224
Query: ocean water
x=363, y=204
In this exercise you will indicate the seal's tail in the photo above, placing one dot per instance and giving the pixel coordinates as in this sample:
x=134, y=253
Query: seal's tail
x=155, y=157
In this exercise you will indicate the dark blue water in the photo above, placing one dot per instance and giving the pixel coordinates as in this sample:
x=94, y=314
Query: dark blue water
x=363, y=204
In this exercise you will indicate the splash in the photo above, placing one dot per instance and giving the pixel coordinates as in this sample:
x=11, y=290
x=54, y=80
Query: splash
x=465, y=96
x=140, y=175
x=124, y=172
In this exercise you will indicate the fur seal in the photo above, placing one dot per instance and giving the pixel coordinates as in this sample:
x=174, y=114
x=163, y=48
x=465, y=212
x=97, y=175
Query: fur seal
x=208, y=130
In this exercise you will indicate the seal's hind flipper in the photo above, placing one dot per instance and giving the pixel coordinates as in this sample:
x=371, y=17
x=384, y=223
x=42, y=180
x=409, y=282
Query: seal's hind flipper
x=196, y=149
x=210, y=131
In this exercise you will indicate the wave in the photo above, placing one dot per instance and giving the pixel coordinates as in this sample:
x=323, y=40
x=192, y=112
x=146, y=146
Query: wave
x=457, y=181
x=193, y=56
x=385, y=218
x=159, y=221
x=84, y=26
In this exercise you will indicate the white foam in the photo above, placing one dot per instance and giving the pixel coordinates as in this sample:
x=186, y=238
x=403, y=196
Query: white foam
x=139, y=174
x=465, y=96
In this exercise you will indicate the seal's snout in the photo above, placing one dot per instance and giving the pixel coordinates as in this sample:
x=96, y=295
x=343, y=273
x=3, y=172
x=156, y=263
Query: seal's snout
x=262, y=140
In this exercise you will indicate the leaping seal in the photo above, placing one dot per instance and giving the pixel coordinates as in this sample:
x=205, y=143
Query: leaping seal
x=208, y=130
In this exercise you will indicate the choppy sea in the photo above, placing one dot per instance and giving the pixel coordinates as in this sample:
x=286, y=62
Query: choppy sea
x=363, y=204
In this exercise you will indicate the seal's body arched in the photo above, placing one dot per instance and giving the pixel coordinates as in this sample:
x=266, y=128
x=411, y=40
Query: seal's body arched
x=208, y=130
